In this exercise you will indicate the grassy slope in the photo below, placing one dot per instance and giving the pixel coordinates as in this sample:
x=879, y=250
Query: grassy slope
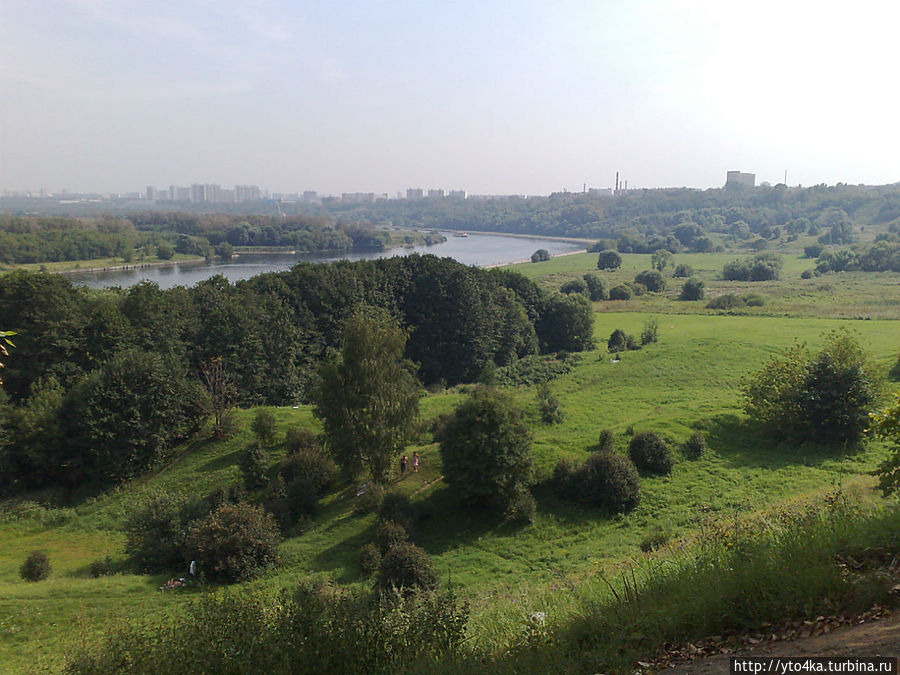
x=687, y=380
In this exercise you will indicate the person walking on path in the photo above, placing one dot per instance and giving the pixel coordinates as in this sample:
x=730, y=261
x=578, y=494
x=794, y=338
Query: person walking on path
x=415, y=462
x=403, y=466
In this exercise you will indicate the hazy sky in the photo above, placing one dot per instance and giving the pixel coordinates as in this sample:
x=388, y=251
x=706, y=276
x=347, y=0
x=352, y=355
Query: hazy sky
x=492, y=97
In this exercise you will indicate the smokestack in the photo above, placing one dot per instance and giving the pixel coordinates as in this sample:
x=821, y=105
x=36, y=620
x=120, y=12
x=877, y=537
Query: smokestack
x=617, y=181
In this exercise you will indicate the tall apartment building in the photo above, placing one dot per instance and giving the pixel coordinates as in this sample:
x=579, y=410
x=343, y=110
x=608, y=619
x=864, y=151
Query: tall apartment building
x=436, y=194
x=414, y=194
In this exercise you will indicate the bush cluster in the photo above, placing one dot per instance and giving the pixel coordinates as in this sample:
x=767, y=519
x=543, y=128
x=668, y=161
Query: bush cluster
x=620, y=341
x=408, y=567
x=731, y=301
x=653, y=280
x=650, y=453
x=692, y=289
x=761, y=267
x=824, y=397
x=316, y=629
x=235, y=542
x=606, y=480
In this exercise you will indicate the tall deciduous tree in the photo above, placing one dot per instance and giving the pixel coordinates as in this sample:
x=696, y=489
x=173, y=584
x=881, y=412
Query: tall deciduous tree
x=368, y=397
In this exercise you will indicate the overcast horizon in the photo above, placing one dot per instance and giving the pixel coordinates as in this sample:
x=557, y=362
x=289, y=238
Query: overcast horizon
x=490, y=97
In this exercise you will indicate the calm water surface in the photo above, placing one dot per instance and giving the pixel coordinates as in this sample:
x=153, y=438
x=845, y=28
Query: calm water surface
x=476, y=249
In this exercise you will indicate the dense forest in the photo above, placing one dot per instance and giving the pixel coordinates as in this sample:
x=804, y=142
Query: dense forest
x=105, y=382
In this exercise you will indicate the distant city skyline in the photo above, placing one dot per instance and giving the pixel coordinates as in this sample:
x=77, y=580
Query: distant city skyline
x=495, y=97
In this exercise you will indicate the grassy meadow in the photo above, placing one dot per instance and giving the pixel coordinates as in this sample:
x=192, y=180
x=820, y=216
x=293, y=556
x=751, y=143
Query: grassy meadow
x=689, y=380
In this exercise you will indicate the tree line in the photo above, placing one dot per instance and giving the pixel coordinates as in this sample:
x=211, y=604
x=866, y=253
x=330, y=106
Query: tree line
x=105, y=382
x=31, y=239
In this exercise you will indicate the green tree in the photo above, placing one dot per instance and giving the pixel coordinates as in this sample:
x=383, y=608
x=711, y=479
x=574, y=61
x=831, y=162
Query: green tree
x=368, y=396
x=124, y=417
x=609, y=260
x=486, y=449
x=660, y=259
x=566, y=323
x=264, y=427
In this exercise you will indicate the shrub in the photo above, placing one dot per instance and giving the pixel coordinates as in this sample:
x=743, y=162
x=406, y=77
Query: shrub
x=652, y=279
x=388, y=534
x=607, y=441
x=827, y=397
x=397, y=508
x=297, y=439
x=311, y=463
x=650, y=453
x=620, y=292
x=807, y=274
x=563, y=476
x=637, y=288
x=619, y=341
x=540, y=255
x=654, y=539
x=302, y=498
x=609, y=260
x=692, y=289
x=726, y=301
x=608, y=481
x=754, y=300
x=595, y=287
x=406, y=566
x=574, y=286
x=275, y=502
x=548, y=405
x=522, y=508
x=683, y=271
x=650, y=332
x=100, y=568
x=235, y=542
x=813, y=251
x=36, y=567
x=155, y=533
x=695, y=446
x=369, y=559
x=486, y=449
x=264, y=427
x=253, y=467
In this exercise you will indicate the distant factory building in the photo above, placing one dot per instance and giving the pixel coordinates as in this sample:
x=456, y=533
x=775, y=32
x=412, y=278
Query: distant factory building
x=737, y=178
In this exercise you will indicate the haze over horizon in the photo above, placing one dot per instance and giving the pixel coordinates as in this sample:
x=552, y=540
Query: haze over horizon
x=491, y=97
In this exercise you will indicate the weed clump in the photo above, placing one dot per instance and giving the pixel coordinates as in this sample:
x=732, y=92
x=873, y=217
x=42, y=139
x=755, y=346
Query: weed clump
x=650, y=453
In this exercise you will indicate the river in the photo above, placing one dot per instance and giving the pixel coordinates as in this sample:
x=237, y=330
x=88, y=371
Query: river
x=476, y=249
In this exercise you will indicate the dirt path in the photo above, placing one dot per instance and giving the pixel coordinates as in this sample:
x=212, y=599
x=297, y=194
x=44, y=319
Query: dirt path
x=873, y=638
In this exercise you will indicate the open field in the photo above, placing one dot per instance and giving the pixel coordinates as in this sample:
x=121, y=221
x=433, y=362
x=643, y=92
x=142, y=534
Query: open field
x=686, y=381
x=847, y=295
x=96, y=264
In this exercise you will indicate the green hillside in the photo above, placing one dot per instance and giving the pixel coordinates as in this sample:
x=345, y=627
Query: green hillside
x=688, y=380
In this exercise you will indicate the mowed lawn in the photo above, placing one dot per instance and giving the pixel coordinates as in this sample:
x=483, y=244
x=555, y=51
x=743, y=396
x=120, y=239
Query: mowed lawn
x=688, y=380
